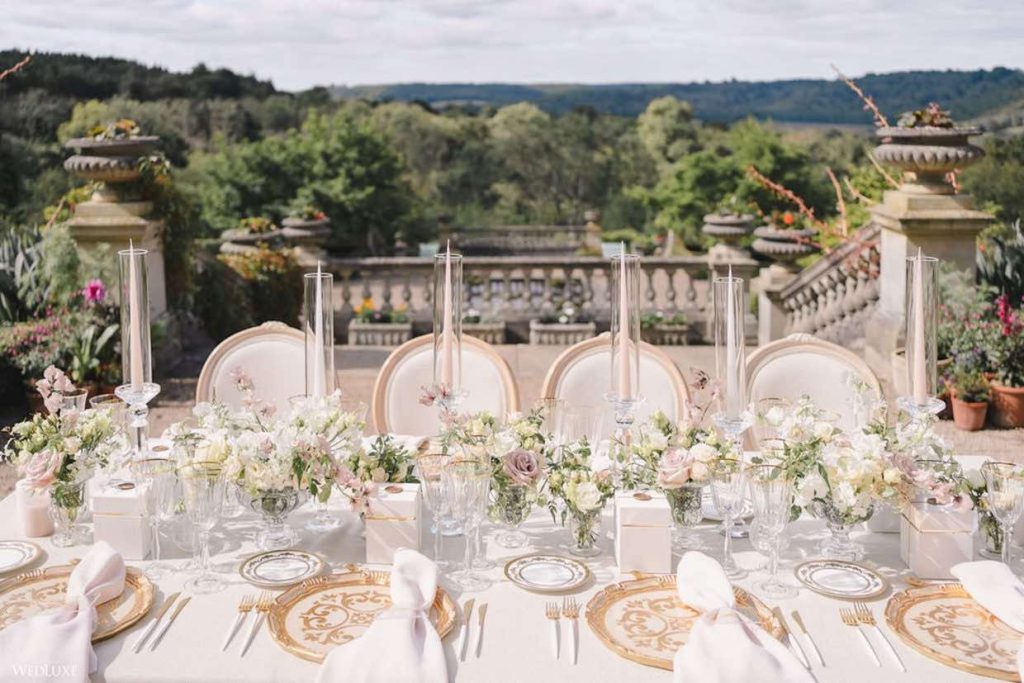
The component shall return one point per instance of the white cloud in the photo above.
(299, 43)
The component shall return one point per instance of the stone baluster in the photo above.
(407, 293)
(670, 292)
(346, 293)
(649, 291)
(386, 293)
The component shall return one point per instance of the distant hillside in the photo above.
(967, 94)
(83, 77)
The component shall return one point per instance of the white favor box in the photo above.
(934, 538)
(393, 522)
(119, 518)
(643, 533)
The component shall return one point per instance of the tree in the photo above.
(667, 129)
(997, 179)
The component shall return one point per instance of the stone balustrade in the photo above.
(834, 298)
(517, 289)
(520, 239)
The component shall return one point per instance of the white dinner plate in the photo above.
(17, 554)
(280, 568)
(542, 573)
(710, 512)
(842, 580)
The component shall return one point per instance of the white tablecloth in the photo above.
(516, 644)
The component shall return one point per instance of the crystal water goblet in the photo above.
(1005, 484)
(159, 478)
(203, 492)
(428, 468)
(467, 484)
(771, 495)
(728, 485)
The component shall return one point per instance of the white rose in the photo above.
(822, 430)
(975, 478)
(699, 471)
(892, 475)
(702, 452)
(588, 497)
(775, 416)
(659, 441)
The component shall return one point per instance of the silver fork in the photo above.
(850, 619)
(571, 611)
(866, 616)
(551, 612)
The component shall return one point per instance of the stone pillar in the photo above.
(592, 239)
(924, 213)
(772, 317)
(115, 215)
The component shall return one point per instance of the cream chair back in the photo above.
(272, 354)
(580, 376)
(801, 365)
(486, 379)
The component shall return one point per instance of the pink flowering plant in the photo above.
(60, 449)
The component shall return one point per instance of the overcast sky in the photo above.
(300, 43)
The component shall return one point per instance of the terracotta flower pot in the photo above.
(969, 417)
(1007, 406)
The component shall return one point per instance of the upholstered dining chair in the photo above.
(486, 378)
(272, 354)
(801, 364)
(580, 376)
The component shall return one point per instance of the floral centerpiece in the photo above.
(379, 326)
(578, 493)
(517, 465)
(365, 470)
(1007, 358)
(58, 452)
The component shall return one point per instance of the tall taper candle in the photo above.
(920, 368)
(318, 337)
(137, 377)
(625, 378)
(732, 407)
(447, 329)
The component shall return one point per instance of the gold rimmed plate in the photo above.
(15, 555)
(280, 568)
(42, 590)
(319, 614)
(644, 620)
(544, 573)
(943, 622)
(842, 580)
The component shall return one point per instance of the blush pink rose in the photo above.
(674, 468)
(41, 470)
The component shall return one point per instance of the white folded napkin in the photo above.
(995, 587)
(57, 645)
(410, 443)
(724, 646)
(401, 645)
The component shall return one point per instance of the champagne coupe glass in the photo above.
(73, 401)
(159, 477)
(584, 422)
(467, 485)
(1005, 484)
(552, 412)
(429, 467)
(203, 488)
(727, 490)
(770, 412)
(771, 495)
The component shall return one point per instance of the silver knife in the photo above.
(467, 612)
(167, 624)
(480, 629)
(794, 644)
(807, 634)
(152, 625)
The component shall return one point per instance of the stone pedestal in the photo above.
(941, 225)
(98, 223)
(771, 314)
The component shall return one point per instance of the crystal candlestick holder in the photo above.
(624, 413)
(138, 400)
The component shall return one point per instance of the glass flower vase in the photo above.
(67, 501)
(991, 534)
(511, 508)
(839, 545)
(274, 508)
(584, 530)
(687, 512)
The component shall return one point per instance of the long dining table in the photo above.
(516, 637)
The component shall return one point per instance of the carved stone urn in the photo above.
(926, 154)
(783, 247)
(109, 162)
(728, 229)
(308, 236)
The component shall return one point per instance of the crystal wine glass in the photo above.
(771, 495)
(727, 489)
(160, 478)
(429, 467)
(1005, 484)
(770, 412)
(203, 488)
(467, 485)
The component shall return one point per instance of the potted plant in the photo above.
(783, 240)
(1007, 359)
(728, 225)
(667, 329)
(250, 233)
(969, 393)
(476, 325)
(564, 327)
(372, 326)
(927, 145)
(110, 155)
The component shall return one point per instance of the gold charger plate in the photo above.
(645, 621)
(44, 589)
(943, 622)
(319, 614)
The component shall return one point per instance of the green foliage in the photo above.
(997, 179)
(1000, 261)
(970, 386)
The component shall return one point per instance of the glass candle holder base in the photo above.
(511, 538)
(776, 590)
(920, 411)
(204, 584)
